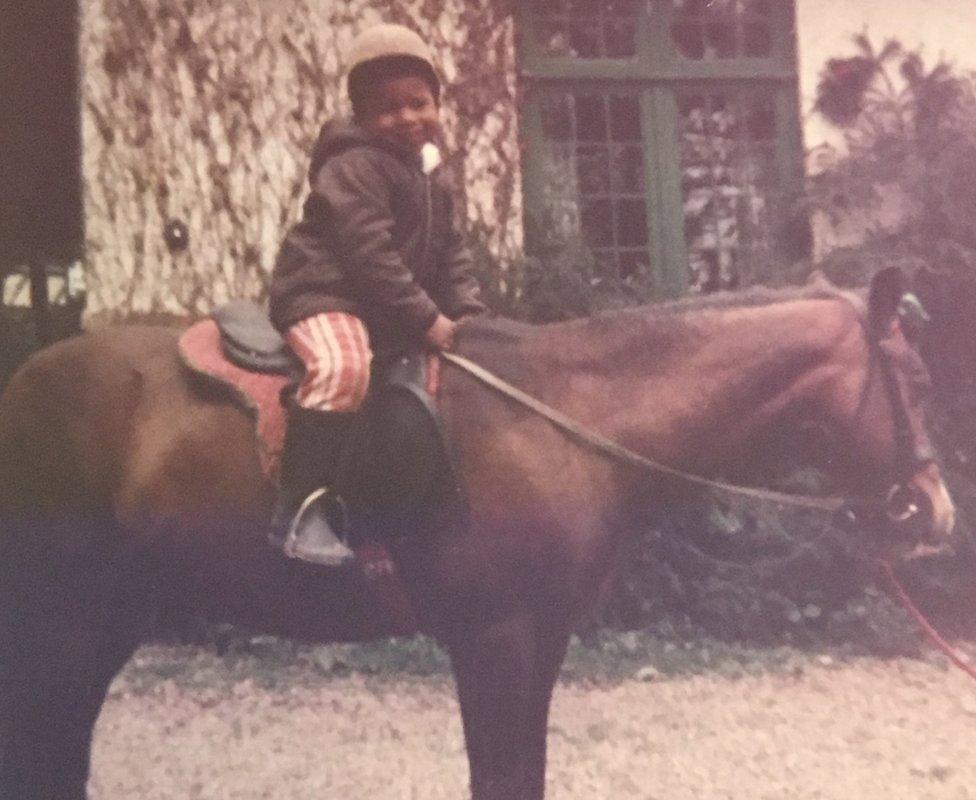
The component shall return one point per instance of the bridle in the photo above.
(899, 504)
(911, 453)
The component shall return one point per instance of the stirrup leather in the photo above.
(312, 535)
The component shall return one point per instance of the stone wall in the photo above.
(203, 112)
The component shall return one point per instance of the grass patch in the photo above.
(604, 657)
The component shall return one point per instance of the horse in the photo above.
(126, 488)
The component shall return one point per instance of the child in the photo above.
(375, 263)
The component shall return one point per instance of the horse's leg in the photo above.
(65, 632)
(47, 738)
(504, 702)
(551, 643)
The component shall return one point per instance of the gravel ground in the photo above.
(180, 725)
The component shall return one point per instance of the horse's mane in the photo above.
(751, 297)
(654, 318)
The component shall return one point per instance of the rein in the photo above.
(598, 442)
(897, 591)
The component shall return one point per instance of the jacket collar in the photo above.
(341, 134)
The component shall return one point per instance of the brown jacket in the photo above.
(377, 238)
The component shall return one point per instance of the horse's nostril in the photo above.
(902, 504)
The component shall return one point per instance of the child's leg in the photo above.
(335, 350)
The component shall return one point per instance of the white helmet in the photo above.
(382, 43)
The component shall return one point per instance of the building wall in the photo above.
(204, 112)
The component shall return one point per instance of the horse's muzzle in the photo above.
(920, 510)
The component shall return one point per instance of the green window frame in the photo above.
(714, 85)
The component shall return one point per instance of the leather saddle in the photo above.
(399, 475)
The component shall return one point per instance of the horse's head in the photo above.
(888, 451)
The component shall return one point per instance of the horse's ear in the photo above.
(887, 288)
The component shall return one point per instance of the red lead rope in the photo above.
(898, 592)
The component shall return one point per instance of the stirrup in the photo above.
(312, 536)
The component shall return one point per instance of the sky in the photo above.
(943, 28)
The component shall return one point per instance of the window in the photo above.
(728, 175)
(717, 29)
(586, 28)
(662, 135)
(595, 176)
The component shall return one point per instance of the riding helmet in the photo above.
(378, 50)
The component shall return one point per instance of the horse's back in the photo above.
(95, 420)
(71, 398)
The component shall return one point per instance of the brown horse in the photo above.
(124, 489)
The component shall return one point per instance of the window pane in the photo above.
(584, 8)
(689, 38)
(619, 38)
(690, 7)
(591, 118)
(625, 123)
(606, 262)
(587, 29)
(542, 8)
(762, 121)
(727, 182)
(594, 176)
(631, 222)
(722, 29)
(758, 40)
(633, 264)
(584, 40)
(554, 37)
(759, 8)
(627, 166)
(597, 222)
(720, 40)
(593, 169)
(557, 118)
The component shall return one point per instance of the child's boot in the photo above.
(310, 520)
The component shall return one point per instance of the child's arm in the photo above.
(440, 335)
(353, 196)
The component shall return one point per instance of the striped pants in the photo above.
(334, 347)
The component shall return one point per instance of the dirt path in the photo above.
(863, 728)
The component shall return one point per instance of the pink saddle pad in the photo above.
(259, 393)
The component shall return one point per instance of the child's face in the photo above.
(402, 111)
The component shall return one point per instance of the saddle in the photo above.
(400, 469)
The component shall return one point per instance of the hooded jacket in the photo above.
(377, 239)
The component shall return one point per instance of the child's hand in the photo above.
(441, 333)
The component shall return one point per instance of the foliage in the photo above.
(907, 129)
(561, 280)
(910, 133)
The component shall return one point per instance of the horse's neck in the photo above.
(691, 388)
(742, 372)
